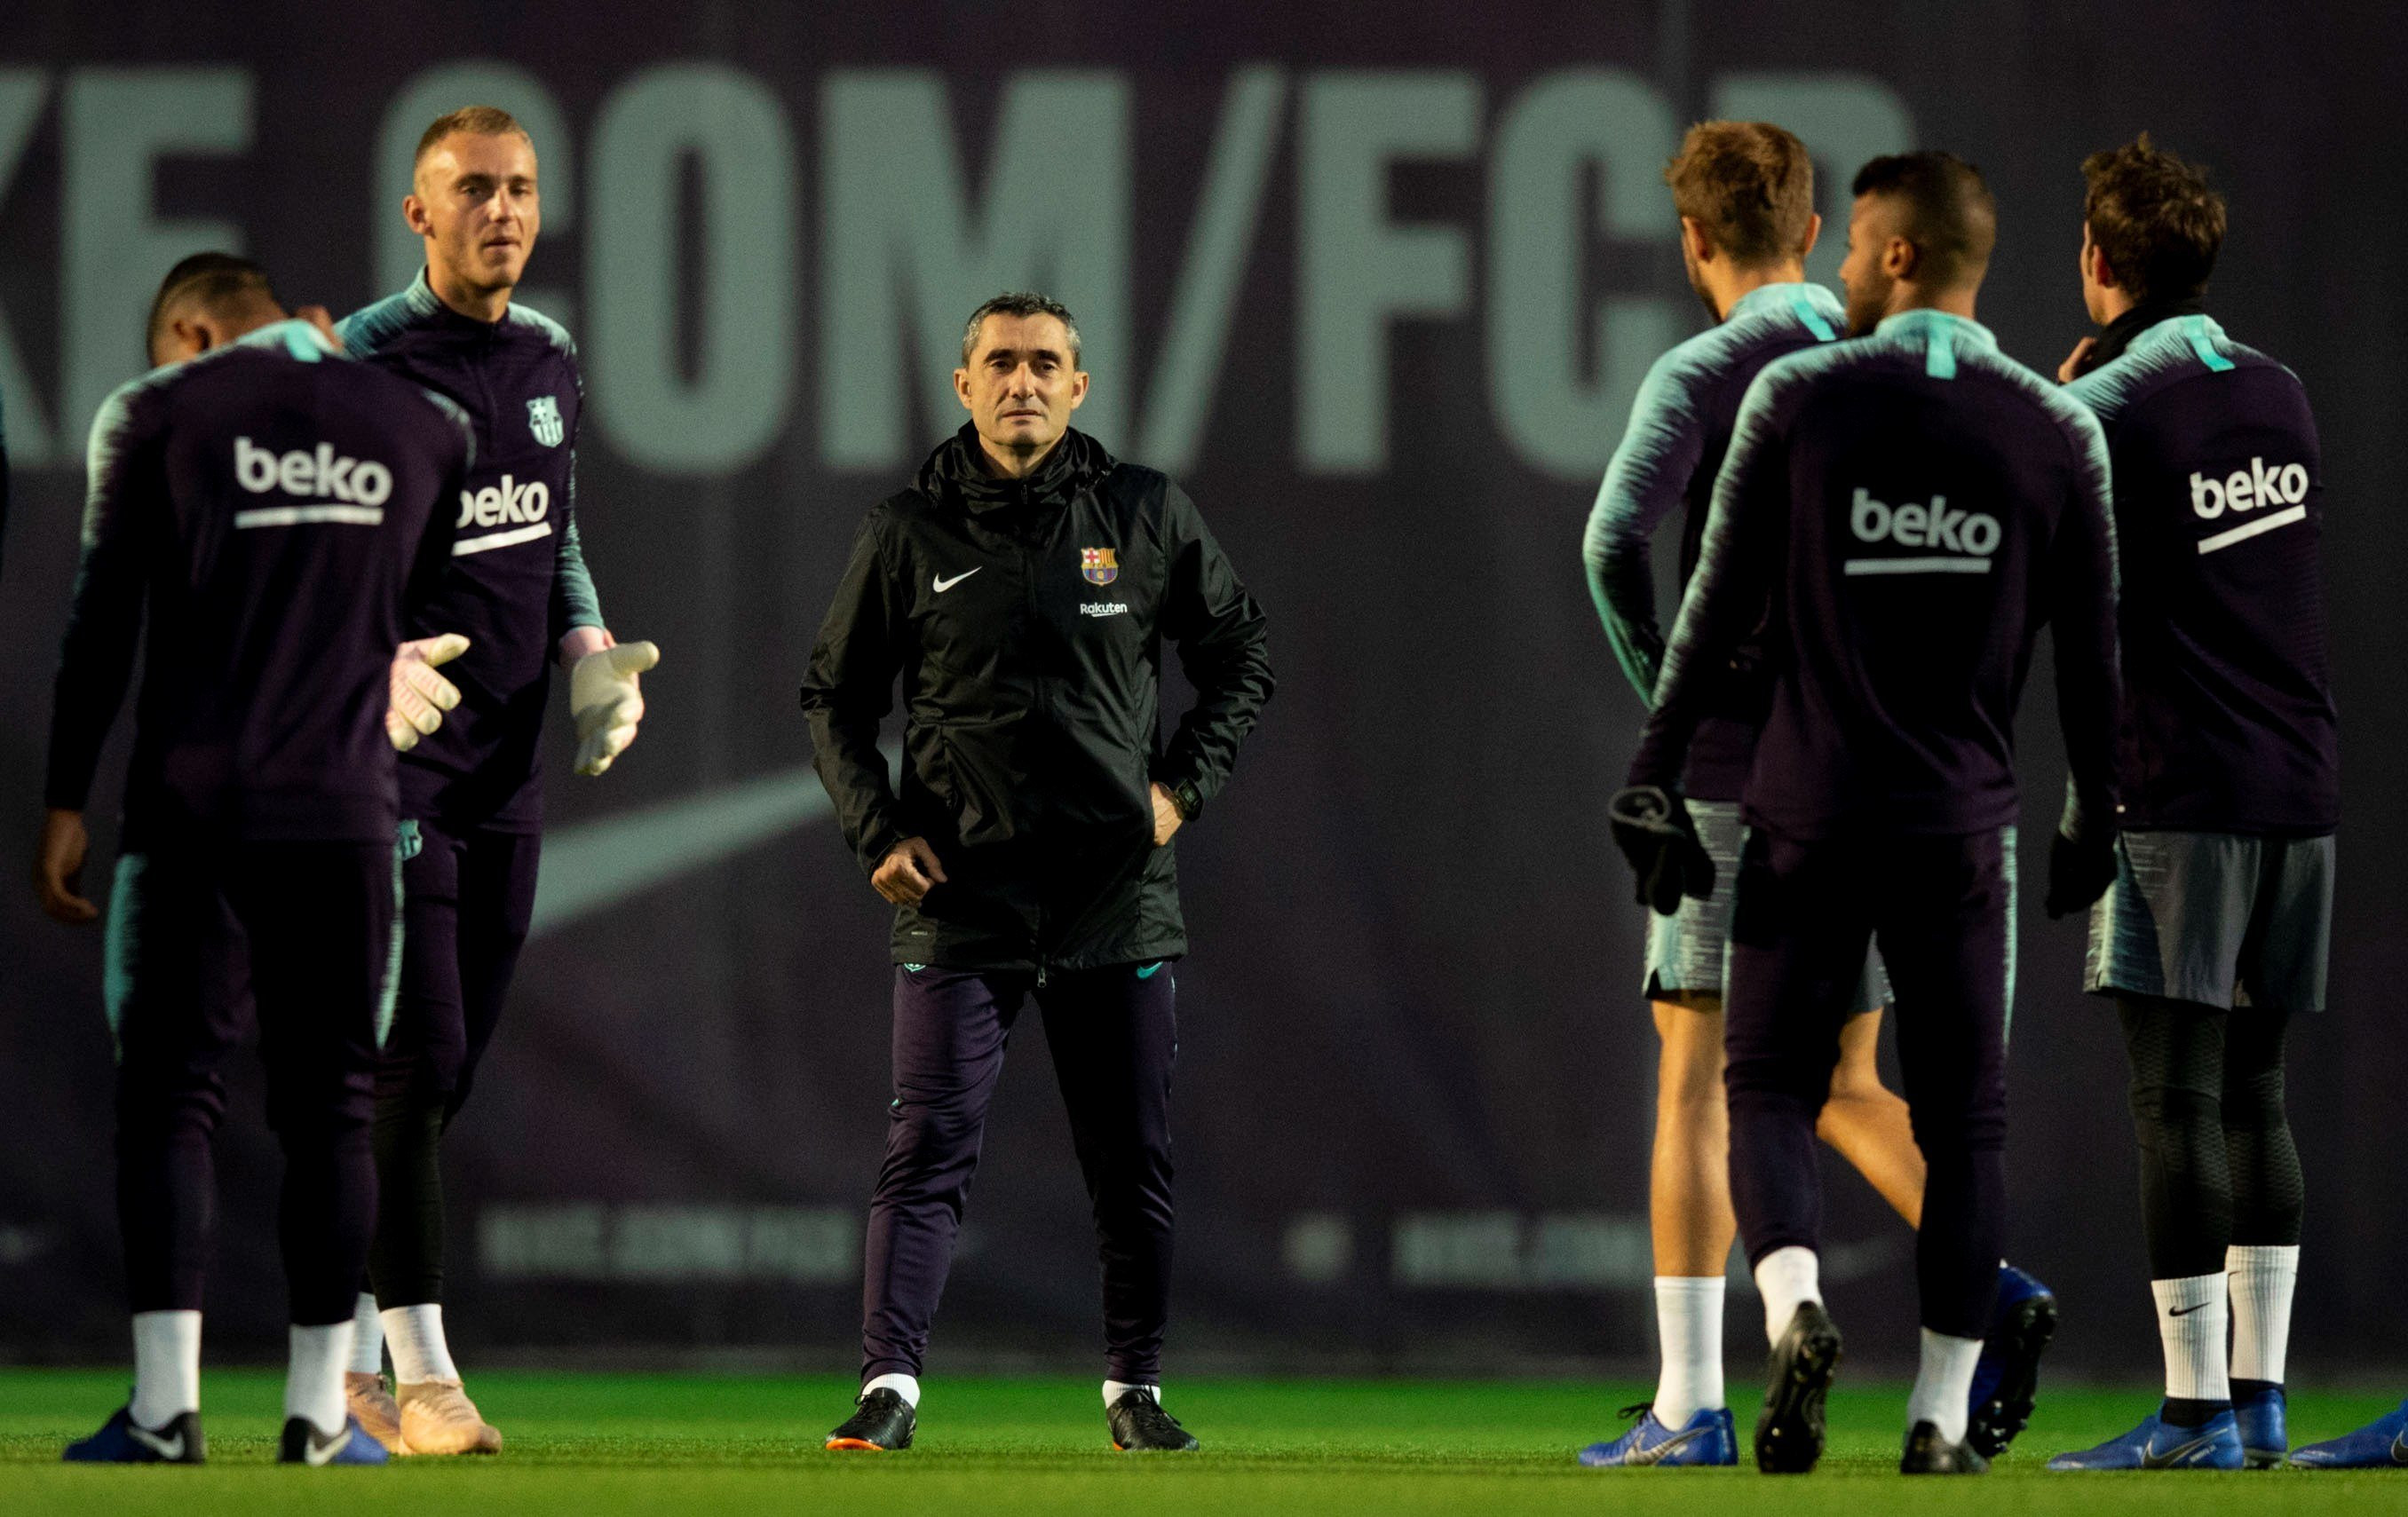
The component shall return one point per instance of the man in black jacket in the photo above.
(1022, 590)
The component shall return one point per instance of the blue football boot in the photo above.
(2379, 1445)
(2006, 1381)
(1708, 1438)
(2159, 1444)
(2265, 1436)
(302, 1444)
(121, 1441)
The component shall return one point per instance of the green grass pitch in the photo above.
(666, 1445)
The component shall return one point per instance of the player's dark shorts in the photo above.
(2217, 918)
(1688, 954)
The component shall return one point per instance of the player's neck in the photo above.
(475, 302)
(1739, 283)
(2114, 303)
(1955, 302)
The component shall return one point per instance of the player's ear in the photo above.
(962, 388)
(1814, 232)
(1078, 388)
(1693, 238)
(413, 210)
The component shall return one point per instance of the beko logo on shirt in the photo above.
(506, 501)
(2246, 489)
(323, 475)
(1972, 535)
(2252, 488)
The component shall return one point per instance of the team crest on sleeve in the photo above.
(1100, 566)
(544, 415)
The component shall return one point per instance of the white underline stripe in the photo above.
(2268, 524)
(1917, 565)
(500, 539)
(293, 516)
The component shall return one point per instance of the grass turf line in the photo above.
(603, 1445)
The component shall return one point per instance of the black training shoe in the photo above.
(1789, 1435)
(1140, 1425)
(1928, 1454)
(881, 1420)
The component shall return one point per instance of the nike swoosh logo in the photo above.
(170, 1449)
(2153, 1459)
(1669, 1446)
(2184, 1311)
(943, 585)
(2399, 1447)
(593, 866)
(315, 1454)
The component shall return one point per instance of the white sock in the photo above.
(2261, 1277)
(1115, 1389)
(1944, 1385)
(1689, 1328)
(1787, 1279)
(2191, 1315)
(367, 1337)
(313, 1386)
(415, 1336)
(906, 1386)
(167, 1367)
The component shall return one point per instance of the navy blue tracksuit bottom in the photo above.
(208, 943)
(1941, 909)
(1115, 1037)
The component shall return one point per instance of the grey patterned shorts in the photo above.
(2217, 918)
(1687, 953)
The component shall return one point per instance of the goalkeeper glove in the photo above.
(2078, 873)
(606, 701)
(1653, 829)
(417, 696)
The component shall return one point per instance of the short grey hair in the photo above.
(1019, 303)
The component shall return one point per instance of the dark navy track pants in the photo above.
(1941, 910)
(1113, 1037)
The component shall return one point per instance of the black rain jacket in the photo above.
(1026, 620)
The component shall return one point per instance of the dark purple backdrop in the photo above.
(1416, 1089)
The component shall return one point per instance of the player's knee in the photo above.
(2160, 1105)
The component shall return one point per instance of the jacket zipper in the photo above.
(1032, 564)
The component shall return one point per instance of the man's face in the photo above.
(1868, 272)
(475, 201)
(1020, 384)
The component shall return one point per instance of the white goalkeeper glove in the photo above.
(604, 698)
(418, 695)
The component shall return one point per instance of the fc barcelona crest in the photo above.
(544, 415)
(1101, 566)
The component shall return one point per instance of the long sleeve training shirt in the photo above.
(1916, 507)
(521, 582)
(2229, 723)
(1680, 428)
(272, 508)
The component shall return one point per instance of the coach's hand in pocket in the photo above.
(910, 872)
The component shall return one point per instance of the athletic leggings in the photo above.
(468, 897)
(2217, 1163)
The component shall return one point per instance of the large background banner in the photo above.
(1377, 283)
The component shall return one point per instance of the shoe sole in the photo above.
(1789, 1437)
(854, 1445)
(2263, 1459)
(1997, 1422)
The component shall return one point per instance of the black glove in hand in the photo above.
(2078, 873)
(1653, 829)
